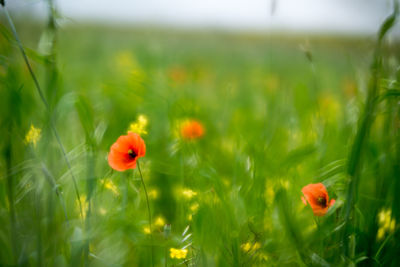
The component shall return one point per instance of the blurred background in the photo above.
(280, 89)
(347, 17)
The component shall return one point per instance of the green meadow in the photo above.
(279, 112)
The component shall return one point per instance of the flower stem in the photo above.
(355, 161)
(46, 104)
(148, 211)
(316, 222)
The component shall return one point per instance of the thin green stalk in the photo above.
(165, 255)
(39, 241)
(90, 188)
(149, 212)
(316, 222)
(181, 209)
(10, 195)
(14, 32)
(51, 86)
(383, 245)
(43, 98)
(181, 169)
(50, 178)
(355, 162)
(355, 156)
(68, 165)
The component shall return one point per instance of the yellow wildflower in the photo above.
(84, 203)
(176, 128)
(33, 135)
(329, 107)
(285, 184)
(146, 230)
(178, 253)
(102, 211)
(160, 222)
(226, 182)
(153, 194)
(392, 225)
(270, 192)
(262, 256)
(111, 186)
(139, 126)
(383, 216)
(188, 193)
(127, 64)
(125, 60)
(256, 245)
(386, 223)
(194, 207)
(380, 234)
(246, 247)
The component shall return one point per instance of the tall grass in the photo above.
(229, 198)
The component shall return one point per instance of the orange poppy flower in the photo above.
(177, 74)
(317, 196)
(192, 130)
(125, 152)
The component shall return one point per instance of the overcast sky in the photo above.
(326, 16)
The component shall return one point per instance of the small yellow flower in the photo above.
(392, 225)
(386, 223)
(178, 253)
(329, 107)
(381, 234)
(270, 192)
(382, 216)
(102, 211)
(226, 182)
(153, 193)
(262, 256)
(139, 126)
(125, 60)
(188, 193)
(127, 64)
(110, 186)
(256, 245)
(246, 247)
(33, 135)
(194, 207)
(84, 203)
(146, 230)
(285, 184)
(159, 222)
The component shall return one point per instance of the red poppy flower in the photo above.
(125, 152)
(317, 196)
(177, 74)
(192, 130)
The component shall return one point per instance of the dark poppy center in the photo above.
(321, 201)
(132, 154)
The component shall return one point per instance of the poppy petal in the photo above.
(120, 157)
(317, 196)
(304, 200)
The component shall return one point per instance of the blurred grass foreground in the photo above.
(148, 147)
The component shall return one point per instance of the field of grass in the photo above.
(278, 113)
